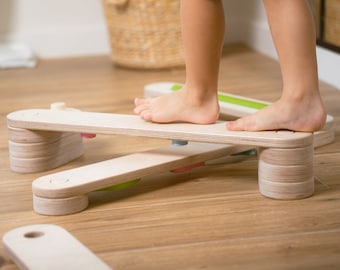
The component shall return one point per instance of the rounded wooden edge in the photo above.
(324, 137)
(33, 165)
(44, 149)
(22, 135)
(285, 174)
(59, 207)
(286, 191)
(293, 156)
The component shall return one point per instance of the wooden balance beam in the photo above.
(285, 158)
(239, 106)
(36, 151)
(66, 192)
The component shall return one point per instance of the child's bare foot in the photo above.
(179, 106)
(299, 115)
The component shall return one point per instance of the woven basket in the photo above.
(144, 33)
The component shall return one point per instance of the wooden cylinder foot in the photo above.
(35, 151)
(59, 207)
(286, 174)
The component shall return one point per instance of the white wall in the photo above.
(62, 28)
(55, 28)
(246, 22)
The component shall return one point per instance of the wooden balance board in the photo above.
(38, 143)
(239, 106)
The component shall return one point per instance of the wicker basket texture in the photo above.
(144, 33)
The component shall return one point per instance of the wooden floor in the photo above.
(212, 217)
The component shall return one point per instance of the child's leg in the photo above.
(203, 32)
(300, 107)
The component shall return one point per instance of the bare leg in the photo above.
(203, 32)
(300, 107)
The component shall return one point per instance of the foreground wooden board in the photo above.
(106, 123)
(46, 246)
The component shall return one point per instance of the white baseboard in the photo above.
(255, 35)
(329, 66)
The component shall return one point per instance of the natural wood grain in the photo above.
(275, 252)
(211, 217)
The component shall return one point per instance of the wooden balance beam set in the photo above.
(41, 139)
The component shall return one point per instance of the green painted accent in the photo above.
(176, 87)
(241, 102)
(231, 99)
(122, 185)
(251, 152)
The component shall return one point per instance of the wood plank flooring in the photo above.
(212, 217)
